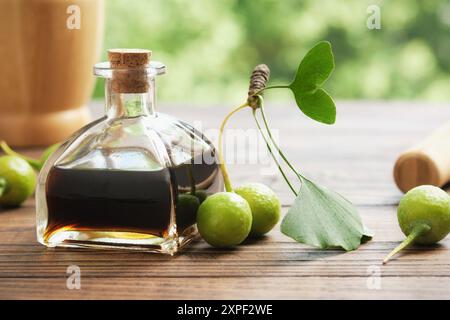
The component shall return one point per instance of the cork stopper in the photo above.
(129, 58)
(131, 65)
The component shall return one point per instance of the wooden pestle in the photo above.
(428, 162)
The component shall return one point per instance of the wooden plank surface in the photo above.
(355, 157)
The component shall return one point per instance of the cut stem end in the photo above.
(416, 232)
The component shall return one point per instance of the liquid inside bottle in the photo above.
(128, 203)
(132, 179)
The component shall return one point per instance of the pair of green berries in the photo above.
(226, 219)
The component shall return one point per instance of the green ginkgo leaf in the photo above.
(323, 218)
(313, 71)
(317, 105)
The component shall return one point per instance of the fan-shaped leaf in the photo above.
(317, 105)
(313, 71)
(323, 218)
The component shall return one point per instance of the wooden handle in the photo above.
(425, 163)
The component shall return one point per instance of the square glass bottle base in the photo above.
(72, 238)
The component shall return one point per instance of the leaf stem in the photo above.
(271, 87)
(417, 231)
(36, 164)
(276, 87)
(280, 152)
(271, 153)
(3, 185)
(223, 168)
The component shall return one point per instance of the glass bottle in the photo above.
(132, 179)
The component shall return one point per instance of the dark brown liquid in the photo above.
(127, 201)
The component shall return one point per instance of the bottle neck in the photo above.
(125, 105)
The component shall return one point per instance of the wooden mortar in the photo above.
(46, 79)
(428, 162)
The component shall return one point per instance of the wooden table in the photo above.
(355, 157)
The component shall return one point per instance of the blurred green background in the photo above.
(211, 46)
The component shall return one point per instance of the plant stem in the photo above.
(275, 87)
(271, 153)
(418, 230)
(223, 168)
(3, 185)
(191, 179)
(280, 152)
(36, 164)
(257, 93)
